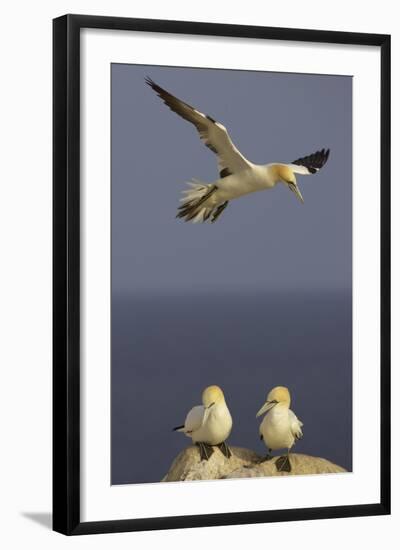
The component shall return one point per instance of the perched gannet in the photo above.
(209, 424)
(237, 175)
(280, 428)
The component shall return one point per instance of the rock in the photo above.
(301, 465)
(187, 466)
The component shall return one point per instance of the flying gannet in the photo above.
(280, 428)
(209, 424)
(237, 175)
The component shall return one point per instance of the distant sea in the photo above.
(167, 348)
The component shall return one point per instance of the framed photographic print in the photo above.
(221, 274)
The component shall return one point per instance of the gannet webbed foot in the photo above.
(205, 450)
(225, 450)
(283, 464)
(218, 211)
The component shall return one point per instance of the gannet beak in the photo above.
(266, 407)
(294, 188)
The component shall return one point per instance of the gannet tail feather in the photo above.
(194, 205)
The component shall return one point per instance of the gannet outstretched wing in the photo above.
(212, 133)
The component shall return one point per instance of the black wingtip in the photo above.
(315, 161)
(177, 428)
(154, 86)
(150, 82)
(325, 154)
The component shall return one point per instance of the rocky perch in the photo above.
(187, 466)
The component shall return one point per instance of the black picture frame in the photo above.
(66, 273)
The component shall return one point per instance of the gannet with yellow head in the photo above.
(285, 174)
(209, 424)
(280, 428)
(237, 175)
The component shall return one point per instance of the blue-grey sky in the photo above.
(267, 239)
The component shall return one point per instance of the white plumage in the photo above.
(280, 428)
(212, 427)
(237, 175)
(210, 423)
